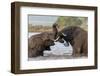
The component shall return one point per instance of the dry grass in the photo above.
(42, 28)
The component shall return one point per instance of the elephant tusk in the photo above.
(57, 39)
(64, 34)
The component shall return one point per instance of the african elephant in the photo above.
(76, 36)
(38, 43)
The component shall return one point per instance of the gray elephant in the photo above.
(76, 36)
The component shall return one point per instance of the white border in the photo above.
(25, 64)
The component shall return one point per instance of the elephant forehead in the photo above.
(51, 36)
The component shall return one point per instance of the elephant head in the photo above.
(59, 35)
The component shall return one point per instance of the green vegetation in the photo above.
(72, 21)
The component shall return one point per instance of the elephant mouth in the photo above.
(53, 44)
(48, 48)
